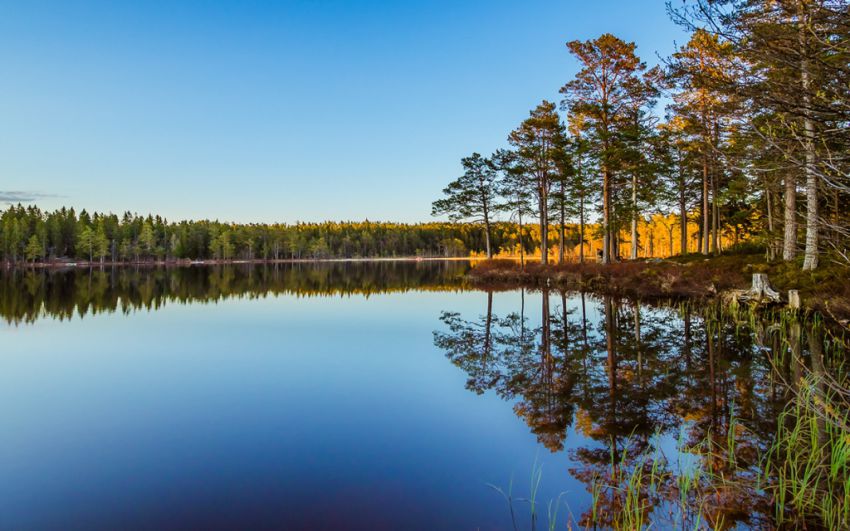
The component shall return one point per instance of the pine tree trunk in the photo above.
(715, 217)
(606, 217)
(581, 230)
(715, 189)
(487, 234)
(699, 233)
(768, 206)
(789, 244)
(544, 234)
(705, 218)
(810, 261)
(683, 210)
(683, 222)
(634, 250)
(521, 248)
(561, 235)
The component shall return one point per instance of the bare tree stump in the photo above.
(761, 289)
(794, 299)
(760, 292)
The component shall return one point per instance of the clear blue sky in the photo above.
(279, 111)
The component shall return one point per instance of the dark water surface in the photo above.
(342, 396)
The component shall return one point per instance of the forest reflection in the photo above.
(626, 376)
(27, 295)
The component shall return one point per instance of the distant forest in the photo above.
(27, 234)
(30, 235)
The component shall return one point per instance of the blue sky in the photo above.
(279, 111)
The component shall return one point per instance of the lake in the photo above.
(387, 395)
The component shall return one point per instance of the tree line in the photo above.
(753, 141)
(28, 234)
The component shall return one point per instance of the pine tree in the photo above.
(147, 239)
(583, 187)
(603, 92)
(540, 144)
(517, 191)
(86, 242)
(34, 249)
(472, 196)
(100, 243)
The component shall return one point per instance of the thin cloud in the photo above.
(17, 196)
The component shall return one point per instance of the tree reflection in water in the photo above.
(628, 378)
(27, 295)
(619, 375)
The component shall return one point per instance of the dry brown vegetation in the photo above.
(642, 279)
(826, 290)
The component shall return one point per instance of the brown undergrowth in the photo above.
(826, 290)
(642, 279)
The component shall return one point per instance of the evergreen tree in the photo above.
(472, 197)
(100, 243)
(34, 249)
(86, 242)
(517, 192)
(582, 186)
(604, 92)
(540, 144)
(147, 240)
(791, 66)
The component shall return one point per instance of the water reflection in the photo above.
(335, 392)
(632, 379)
(27, 295)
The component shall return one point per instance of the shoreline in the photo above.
(85, 264)
(695, 277)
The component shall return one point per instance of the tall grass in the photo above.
(552, 507)
(806, 469)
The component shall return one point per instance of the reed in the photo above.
(806, 469)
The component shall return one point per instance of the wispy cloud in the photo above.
(18, 196)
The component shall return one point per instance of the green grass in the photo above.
(806, 470)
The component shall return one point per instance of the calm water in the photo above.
(342, 396)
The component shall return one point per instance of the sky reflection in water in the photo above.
(333, 396)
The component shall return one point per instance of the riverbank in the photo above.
(825, 290)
